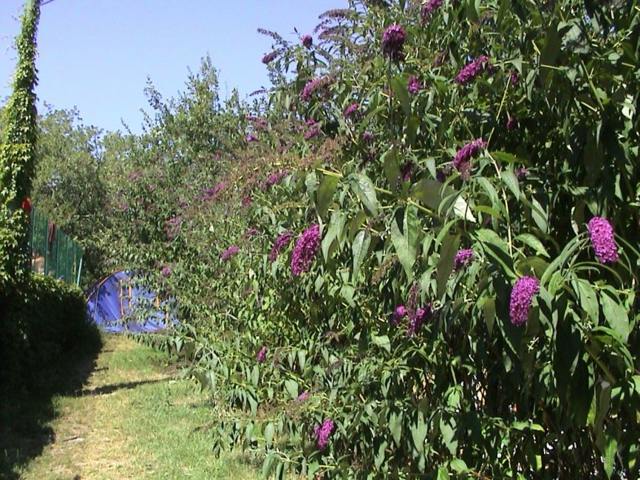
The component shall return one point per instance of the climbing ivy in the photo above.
(17, 152)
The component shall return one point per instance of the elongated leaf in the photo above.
(325, 194)
(292, 388)
(359, 248)
(399, 86)
(366, 192)
(334, 231)
(616, 316)
(395, 427)
(510, 180)
(382, 342)
(391, 167)
(497, 249)
(533, 242)
(448, 252)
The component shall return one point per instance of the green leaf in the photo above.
(533, 242)
(395, 427)
(448, 251)
(391, 167)
(588, 299)
(443, 473)
(399, 86)
(382, 342)
(489, 312)
(419, 433)
(359, 248)
(292, 388)
(269, 430)
(325, 194)
(610, 456)
(311, 182)
(268, 464)
(430, 192)
(366, 192)
(458, 465)
(334, 231)
(496, 248)
(406, 243)
(616, 316)
(510, 180)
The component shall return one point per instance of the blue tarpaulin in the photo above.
(119, 304)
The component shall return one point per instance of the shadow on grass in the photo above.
(106, 389)
(25, 414)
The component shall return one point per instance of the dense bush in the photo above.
(43, 321)
(417, 256)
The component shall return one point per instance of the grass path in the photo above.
(134, 418)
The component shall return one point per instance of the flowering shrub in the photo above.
(514, 357)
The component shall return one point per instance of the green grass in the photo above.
(135, 418)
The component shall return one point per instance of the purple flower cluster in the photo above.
(512, 123)
(246, 201)
(251, 138)
(166, 271)
(209, 194)
(303, 397)
(229, 252)
(281, 242)
(305, 250)
(269, 57)
(521, 173)
(251, 232)
(274, 178)
(428, 9)
(472, 69)
(602, 240)
(261, 356)
(398, 314)
(522, 295)
(313, 129)
(368, 137)
(351, 110)
(462, 160)
(314, 85)
(172, 227)
(407, 170)
(393, 40)
(514, 78)
(307, 41)
(417, 317)
(323, 432)
(414, 85)
(463, 258)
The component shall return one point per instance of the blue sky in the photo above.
(97, 54)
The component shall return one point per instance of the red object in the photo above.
(26, 205)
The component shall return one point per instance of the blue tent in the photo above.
(119, 304)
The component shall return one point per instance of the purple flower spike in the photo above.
(304, 396)
(269, 57)
(280, 244)
(417, 318)
(166, 271)
(307, 41)
(428, 9)
(398, 314)
(229, 252)
(462, 160)
(471, 70)
(351, 110)
(305, 250)
(261, 356)
(413, 85)
(323, 432)
(393, 42)
(521, 297)
(463, 258)
(602, 240)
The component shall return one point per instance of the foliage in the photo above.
(17, 152)
(43, 319)
(502, 127)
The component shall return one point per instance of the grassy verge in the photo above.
(134, 418)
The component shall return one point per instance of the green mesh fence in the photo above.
(52, 252)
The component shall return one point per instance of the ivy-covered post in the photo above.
(17, 154)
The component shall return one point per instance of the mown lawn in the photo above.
(133, 418)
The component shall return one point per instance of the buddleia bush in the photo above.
(422, 262)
